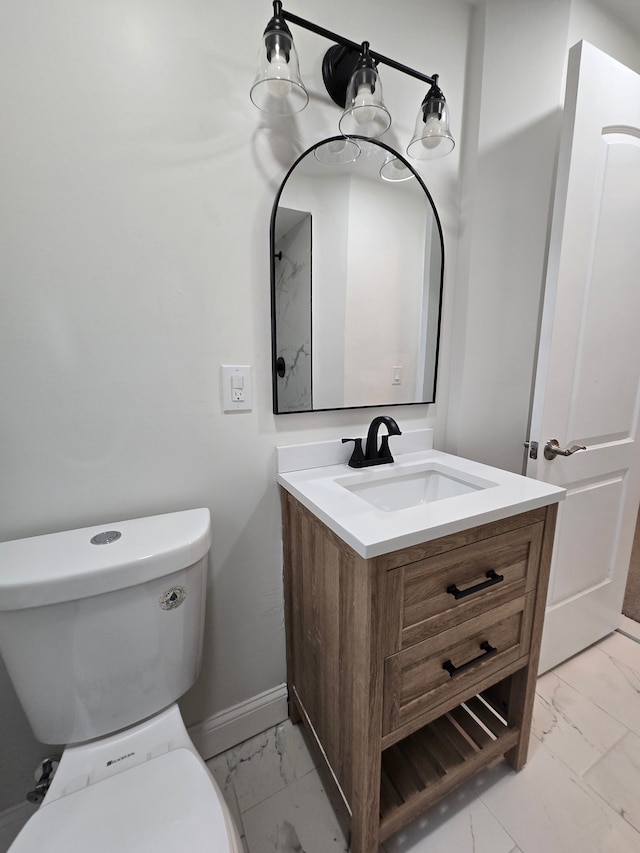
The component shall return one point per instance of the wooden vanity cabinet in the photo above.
(415, 669)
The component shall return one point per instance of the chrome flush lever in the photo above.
(552, 449)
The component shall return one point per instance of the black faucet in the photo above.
(372, 454)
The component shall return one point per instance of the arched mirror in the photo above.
(357, 263)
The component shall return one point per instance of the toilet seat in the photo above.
(165, 805)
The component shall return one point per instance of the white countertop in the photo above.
(372, 531)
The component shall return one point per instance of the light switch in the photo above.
(396, 374)
(236, 387)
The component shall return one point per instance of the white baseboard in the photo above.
(229, 728)
(629, 628)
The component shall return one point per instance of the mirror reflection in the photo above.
(356, 281)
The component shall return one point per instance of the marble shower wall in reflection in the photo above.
(293, 314)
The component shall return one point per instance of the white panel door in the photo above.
(587, 389)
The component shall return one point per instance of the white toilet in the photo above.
(101, 632)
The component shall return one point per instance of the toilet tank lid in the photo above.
(68, 565)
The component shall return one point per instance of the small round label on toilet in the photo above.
(173, 597)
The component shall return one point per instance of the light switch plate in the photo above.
(236, 388)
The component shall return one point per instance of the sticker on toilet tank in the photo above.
(173, 597)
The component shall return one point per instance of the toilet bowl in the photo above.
(101, 631)
(145, 789)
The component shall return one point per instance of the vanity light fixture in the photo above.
(432, 137)
(395, 169)
(337, 151)
(278, 87)
(364, 109)
(350, 74)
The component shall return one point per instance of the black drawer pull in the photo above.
(494, 578)
(488, 652)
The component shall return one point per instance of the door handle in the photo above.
(552, 449)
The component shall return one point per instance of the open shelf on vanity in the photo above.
(425, 766)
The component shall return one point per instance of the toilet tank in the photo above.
(102, 627)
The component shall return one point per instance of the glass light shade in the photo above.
(338, 151)
(364, 113)
(432, 137)
(395, 170)
(278, 88)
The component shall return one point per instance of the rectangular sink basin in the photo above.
(392, 492)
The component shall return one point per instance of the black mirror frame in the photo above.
(272, 248)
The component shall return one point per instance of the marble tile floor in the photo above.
(579, 792)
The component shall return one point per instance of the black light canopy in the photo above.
(351, 77)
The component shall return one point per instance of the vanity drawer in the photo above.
(438, 669)
(442, 591)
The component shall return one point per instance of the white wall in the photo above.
(511, 146)
(137, 184)
(517, 64)
(330, 241)
(382, 328)
(613, 26)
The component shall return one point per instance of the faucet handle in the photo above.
(385, 452)
(357, 457)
